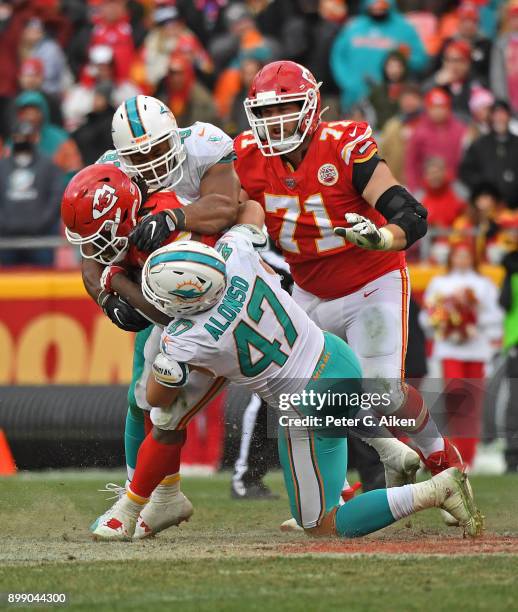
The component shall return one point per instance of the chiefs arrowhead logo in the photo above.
(104, 200)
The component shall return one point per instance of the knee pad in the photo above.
(326, 526)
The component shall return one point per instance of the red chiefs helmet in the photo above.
(283, 83)
(99, 209)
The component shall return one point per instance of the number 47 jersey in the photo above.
(256, 335)
(303, 206)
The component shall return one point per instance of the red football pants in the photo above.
(463, 401)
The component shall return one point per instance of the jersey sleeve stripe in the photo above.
(227, 159)
(360, 160)
(349, 147)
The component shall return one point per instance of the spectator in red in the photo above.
(444, 206)
(112, 28)
(12, 21)
(454, 76)
(504, 61)
(31, 79)
(463, 312)
(189, 100)
(438, 133)
(468, 30)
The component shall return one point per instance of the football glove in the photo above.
(122, 314)
(365, 234)
(169, 372)
(151, 232)
(107, 276)
(256, 235)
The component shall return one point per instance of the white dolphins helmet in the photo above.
(184, 277)
(148, 143)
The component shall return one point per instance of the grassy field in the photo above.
(232, 556)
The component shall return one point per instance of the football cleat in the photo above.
(119, 524)
(450, 490)
(117, 492)
(290, 525)
(442, 460)
(349, 492)
(255, 490)
(399, 460)
(165, 509)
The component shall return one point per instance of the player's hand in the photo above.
(151, 232)
(365, 234)
(255, 234)
(122, 314)
(169, 372)
(107, 276)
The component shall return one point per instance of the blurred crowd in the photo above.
(437, 80)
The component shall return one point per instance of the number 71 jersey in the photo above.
(303, 206)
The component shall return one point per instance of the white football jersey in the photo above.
(206, 145)
(255, 336)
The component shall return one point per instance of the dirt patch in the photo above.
(427, 545)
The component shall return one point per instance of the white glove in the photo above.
(365, 234)
(169, 372)
(253, 233)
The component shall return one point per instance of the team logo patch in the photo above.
(104, 200)
(290, 182)
(190, 290)
(327, 174)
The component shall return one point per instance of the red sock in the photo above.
(148, 425)
(155, 461)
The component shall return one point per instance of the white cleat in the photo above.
(399, 460)
(119, 523)
(450, 490)
(165, 509)
(117, 492)
(290, 526)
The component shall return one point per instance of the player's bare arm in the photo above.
(405, 215)
(215, 210)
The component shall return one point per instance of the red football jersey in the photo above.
(157, 203)
(303, 206)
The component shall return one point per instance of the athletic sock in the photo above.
(364, 514)
(401, 501)
(134, 434)
(155, 461)
(429, 440)
(424, 433)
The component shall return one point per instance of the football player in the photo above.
(310, 176)
(101, 207)
(197, 163)
(240, 325)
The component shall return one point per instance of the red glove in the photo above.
(107, 276)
